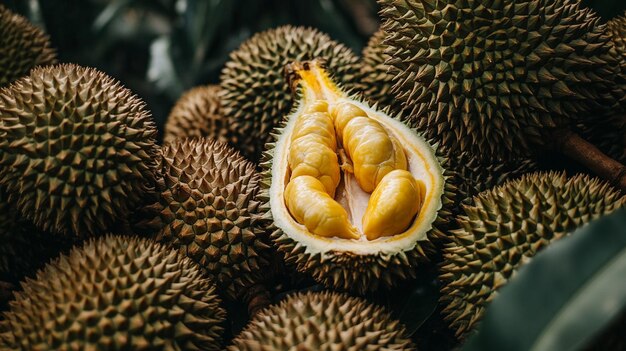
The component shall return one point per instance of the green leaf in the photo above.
(566, 295)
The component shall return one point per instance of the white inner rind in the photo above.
(422, 163)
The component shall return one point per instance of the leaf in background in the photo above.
(161, 69)
(564, 296)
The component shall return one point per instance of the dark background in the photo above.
(159, 48)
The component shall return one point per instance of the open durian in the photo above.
(356, 195)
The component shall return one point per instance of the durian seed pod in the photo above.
(505, 227)
(208, 209)
(255, 95)
(22, 47)
(375, 82)
(351, 260)
(197, 114)
(509, 85)
(323, 321)
(77, 150)
(115, 293)
(23, 248)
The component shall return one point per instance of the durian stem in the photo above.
(257, 298)
(577, 148)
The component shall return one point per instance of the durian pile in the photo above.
(307, 183)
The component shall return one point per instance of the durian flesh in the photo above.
(418, 165)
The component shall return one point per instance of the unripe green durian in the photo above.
(505, 227)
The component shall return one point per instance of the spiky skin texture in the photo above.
(375, 82)
(359, 273)
(325, 321)
(115, 293)
(208, 209)
(617, 30)
(77, 150)
(493, 78)
(505, 227)
(255, 94)
(473, 176)
(23, 248)
(196, 114)
(22, 47)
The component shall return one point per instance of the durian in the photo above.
(197, 113)
(23, 248)
(375, 82)
(323, 321)
(498, 79)
(77, 150)
(208, 208)
(324, 234)
(115, 293)
(255, 96)
(505, 227)
(617, 30)
(22, 47)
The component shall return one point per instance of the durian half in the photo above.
(351, 259)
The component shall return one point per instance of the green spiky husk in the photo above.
(494, 78)
(505, 227)
(196, 114)
(375, 82)
(77, 150)
(323, 321)
(351, 272)
(617, 30)
(22, 47)
(256, 96)
(208, 209)
(115, 294)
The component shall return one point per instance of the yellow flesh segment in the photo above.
(310, 205)
(313, 148)
(393, 205)
(373, 151)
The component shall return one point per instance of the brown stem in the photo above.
(577, 148)
(257, 298)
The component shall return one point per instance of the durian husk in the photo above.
(77, 150)
(496, 78)
(323, 321)
(352, 272)
(197, 114)
(505, 227)
(115, 293)
(617, 29)
(375, 82)
(208, 209)
(22, 47)
(256, 96)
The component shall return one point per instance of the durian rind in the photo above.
(196, 114)
(505, 227)
(351, 265)
(115, 293)
(256, 96)
(22, 47)
(208, 209)
(492, 78)
(374, 81)
(77, 150)
(325, 321)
